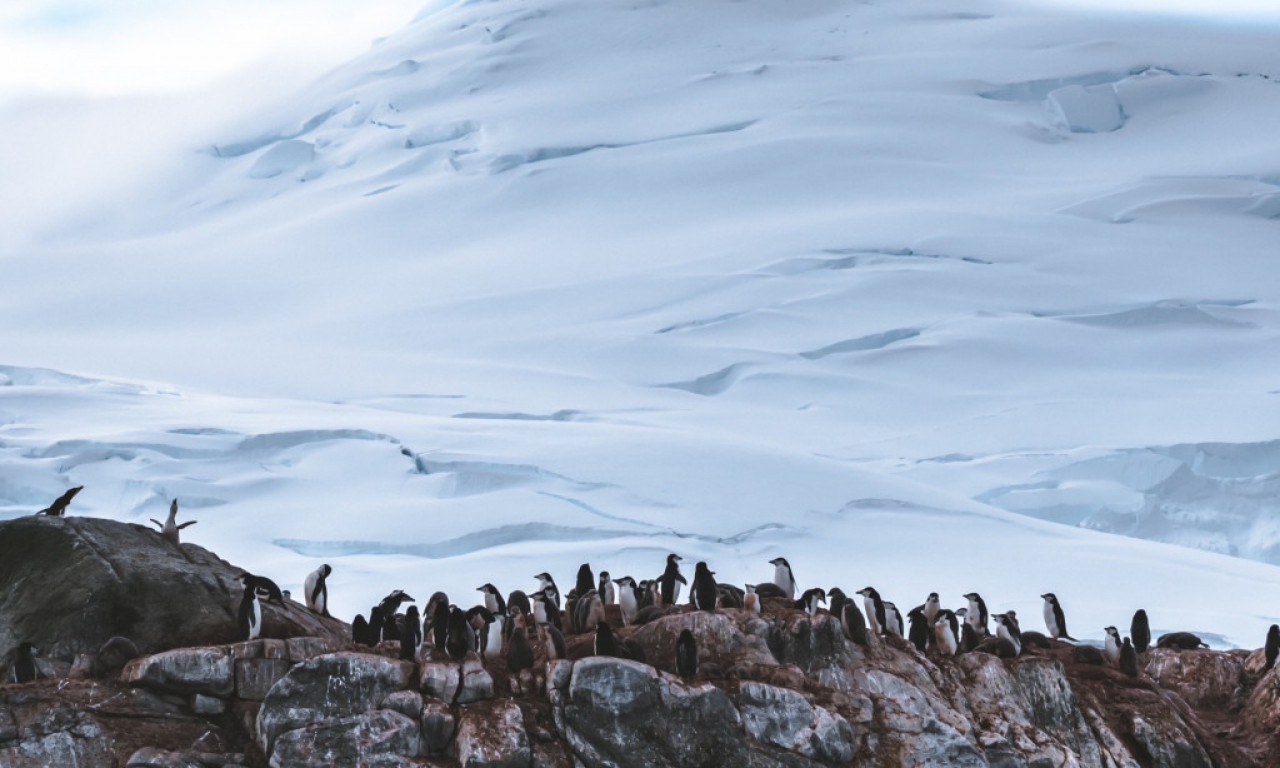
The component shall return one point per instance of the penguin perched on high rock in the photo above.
(410, 634)
(670, 581)
(1140, 631)
(783, 577)
(1181, 641)
(317, 592)
(1128, 659)
(360, 630)
(1272, 647)
(390, 604)
(1111, 647)
(586, 580)
(919, 629)
(874, 607)
(435, 617)
(932, 607)
(545, 610)
(751, 599)
(377, 623)
(588, 611)
(169, 528)
(250, 615)
(836, 598)
(852, 623)
(606, 589)
(493, 601)
(808, 602)
(729, 595)
(1007, 630)
(261, 584)
(945, 628)
(686, 655)
(627, 603)
(1054, 618)
(976, 615)
(969, 639)
(519, 652)
(59, 507)
(24, 663)
(547, 585)
(893, 620)
(459, 638)
(703, 595)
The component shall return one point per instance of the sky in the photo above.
(124, 47)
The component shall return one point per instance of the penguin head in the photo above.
(29, 647)
(835, 593)
(869, 592)
(933, 597)
(780, 561)
(604, 577)
(973, 596)
(1113, 633)
(701, 568)
(327, 570)
(961, 612)
(1050, 598)
(487, 589)
(673, 558)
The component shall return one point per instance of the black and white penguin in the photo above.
(555, 647)
(945, 628)
(783, 578)
(605, 644)
(750, 599)
(491, 648)
(836, 599)
(808, 602)
(852, 623)
(410, 634)
(1140, 631)
(493, 601)
(1111, 648)
(459, 638)
(919, 629)
(893, 620)
(520, 601)
(391, 603)
(1272, 648)
(391, 626)
(931, 608)
(627, 603)
(976, 616)
(703, 594)
(264, 586)
(360, 630)
(169, 528)
(670, 581)
(436, 628)
(1128, 659)
(250, 614)
(24, 663)
(607, 592)
(1007, 630)
(586, 580)
(729, 596)
(377, 622)
(686, 655)
(317, 592)
(1181, 641)
(547, 585)
(1054, 619)
(59, 505)
(874, 607)
(545, 610)
(1032, 639)
(969, 639)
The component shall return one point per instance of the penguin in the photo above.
(169, 528)
(1112, 646)
(459, 638)
(703, 594)
(491, 648)
(250, 614)
(317, 592)
(519, 652)
(493, 601)
(391, 625)
(586, 580)
(920, 628)
(548, 586)
(588, 612)
(808, 602)
(1007, 630)
(976, 616)
(1128, 659)
(729, 596)
(1035, 640)
(391, 603)
(410, 634)
(263, 585)
(360, 630)
(671, 580)
(968, 635)
(1272, 646)
(1054, 619)
(944, 633)
(520, 601)
(874, 608)
(751, 600)
(783, 577)
(769, 589)
(24, 663)
(852, 623)
(377, 623)
(59, 507)
(931, 608)
(893, 620)
(607, 593)
(627, 599)
(545, 610)
(1181, 641)
(837, 597)
(686, 655)
(555, 646)
(1140, 631)
(605, 645)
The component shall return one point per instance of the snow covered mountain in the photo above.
(869, 284)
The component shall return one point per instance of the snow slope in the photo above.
(872, 285)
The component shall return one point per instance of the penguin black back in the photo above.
(853, 623)
(1273, 646)
(1181, 641)
(250, 614)
(1128, 659)
(686, 655)
(1140, 631)
(410, 634)
(360, 630)
(669, 592)
(519, 652)
(59, 506)
(704, 593)
(263, 584)
(376, 625)
(460, 638)
(24, 663)
(605, 644)
(586, 580)
(921, 630)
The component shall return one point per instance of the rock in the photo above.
(438, 726)
(82, 667)
(150, 757)
(185, 671)
(326, 687)
(477, 684)
(1168, 746)
(254, 677)
(103, 579)
(492, 735)
(720, 637)
(207, 705)
(439, 680)
(785, 719)
(1204, 679)
(299, 649)
(407, 703)
(349, 740)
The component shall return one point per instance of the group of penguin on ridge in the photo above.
(490, 629)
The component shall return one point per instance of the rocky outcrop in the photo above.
(70, 584)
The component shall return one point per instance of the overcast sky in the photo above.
(113, 47)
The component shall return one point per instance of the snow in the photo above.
(928, 296)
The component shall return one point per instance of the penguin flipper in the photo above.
(184, 525)
(159, 524)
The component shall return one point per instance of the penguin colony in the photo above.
(525, 627)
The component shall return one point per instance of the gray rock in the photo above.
(347, 740)
(207, 706)
(407, 703)
(439, 680)
(184, 671)
(151, 757)
(331, 686)
(438, 726)
(299, 649)
(492, 735)
(254, 677)
(775, 715)
(477, 684)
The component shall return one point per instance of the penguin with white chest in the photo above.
(317, 591)
(606, 590)
(946, 628)
(874, 608)
(670, 581)
(976, 616)
(808, 602)
(1112, 645)
(703, 594)
(24, 663)
(783, 577)
(627, 602)
(1055, 620)
(169, 528)
(250, 614)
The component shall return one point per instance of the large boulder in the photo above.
(350, 740)
(209, 671)
(69, 584)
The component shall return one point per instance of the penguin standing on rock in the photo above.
(548, 586)
(750, 600)
(1128, 659)
(1140, 631)
(606, 590)
(808, 602)
(360, 630)
(391, 603)
(169, 528)
(945, 629)
(892, 620)
(410, 634)
(250, 614)
(459, 638)
(874, 607)
(852, 622)
(976, 616)
(1007, 630)
(24, 663)
(1272, 646)
(1112, 645)
(703, 594)
(686, 655)
(783, 577)
(59, 507)
(263, 585)
(519, 653)
(670, 581)
(605, 644)
(1054, 618)
(919, 630)
(627, 602)
(317, 593)
(586, 581)
(493, 601)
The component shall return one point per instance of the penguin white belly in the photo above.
(1050, 621)
(255, 625)
(493, 647)
(782, 578)
(627, 602)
